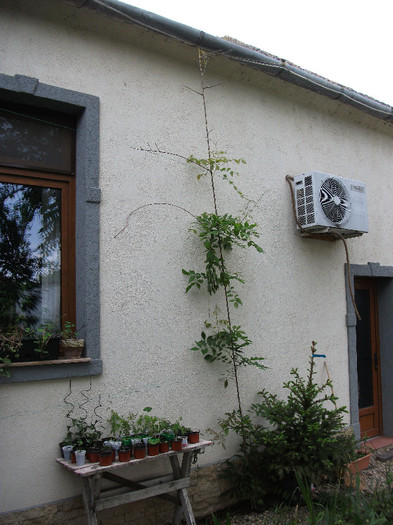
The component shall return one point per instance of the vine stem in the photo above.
(202, 61)
(152, 204)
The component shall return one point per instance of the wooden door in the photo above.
(368, 361)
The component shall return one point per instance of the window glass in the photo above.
(30, 255)
(35, 142)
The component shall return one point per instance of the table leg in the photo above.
(183, 472)
(90, 491)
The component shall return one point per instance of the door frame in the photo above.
(369, 284)
(383, 276)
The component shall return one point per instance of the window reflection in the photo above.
(27, 141)
(30, 255)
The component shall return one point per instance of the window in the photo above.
(49, 216)
(37, 210)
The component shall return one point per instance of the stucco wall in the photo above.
(295, 291)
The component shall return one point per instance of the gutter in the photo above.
(256, 59)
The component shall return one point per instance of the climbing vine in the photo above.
(219, 233)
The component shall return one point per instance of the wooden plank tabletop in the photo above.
(89, 469)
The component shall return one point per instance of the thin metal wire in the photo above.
(69, 402)
(56, 124)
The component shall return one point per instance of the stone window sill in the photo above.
(47, 362)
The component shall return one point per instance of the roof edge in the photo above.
(259, 60)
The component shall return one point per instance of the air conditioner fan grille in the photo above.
(334, 201)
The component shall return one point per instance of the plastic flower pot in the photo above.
(67, 449)
(80, 456)
(115, 444)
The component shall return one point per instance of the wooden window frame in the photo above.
(67, 186)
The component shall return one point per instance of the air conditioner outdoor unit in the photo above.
(326, 203)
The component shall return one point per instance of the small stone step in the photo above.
(384, 456)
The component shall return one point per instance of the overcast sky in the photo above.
(346, 41)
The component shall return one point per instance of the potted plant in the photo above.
(67, 444)
(164, 444)
(139, 450)
(42, 342)
(153, 446)
(146, 424)
(124, 453)
(121, 426)
(66, 451)
(80, 456)
(82, 434)
(72, 346)
(10, 345)
(193, 436)
(126, 441)
(92, 454)
(116, 445)
(181, 431)
(105, 456)
(177, 443)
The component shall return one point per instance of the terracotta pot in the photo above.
(193, 437)
(359, 464)
(177, 446)
(124, 455)
(164, 447)
(153, 450)
(139, 453)
(72, 353)
(353, 470)
(93, 456)
(73, 457)
(105, 460)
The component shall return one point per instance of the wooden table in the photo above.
(94, 499)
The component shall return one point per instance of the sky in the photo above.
(346, 41)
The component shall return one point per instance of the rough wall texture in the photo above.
(294, 292)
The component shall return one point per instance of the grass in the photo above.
(334, 505)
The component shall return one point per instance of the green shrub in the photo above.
(305, 436)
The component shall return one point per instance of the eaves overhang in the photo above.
(247, 55)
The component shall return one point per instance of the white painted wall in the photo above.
(295, 292)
